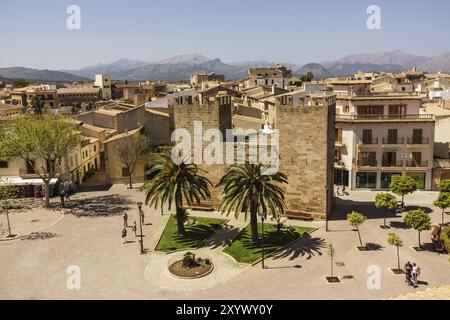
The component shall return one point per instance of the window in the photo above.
(416, 159)
(419, 177)
(392, 136)
(3, 164)
(341, 177)
(386, 178)
(346, 109)
(368, 159)
(389, 159)
(367, 136)
(397, 109)
(125, 172)
(366, 180)
(417, 136)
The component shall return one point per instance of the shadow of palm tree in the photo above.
(306, 246)
(222, 238)
(101, 206)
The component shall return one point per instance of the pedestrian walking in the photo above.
(125, 220)
(124, 235)
(408, 273)
(415, 274)
(134, 229)
(67, 190)
(338, 190)
(61, 194)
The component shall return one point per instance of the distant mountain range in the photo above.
(183, 66)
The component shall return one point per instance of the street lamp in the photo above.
(141, 241)
(263, 217)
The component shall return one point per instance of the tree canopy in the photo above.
(386, 200)
(42, 141)
(418, 220)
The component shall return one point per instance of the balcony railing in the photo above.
(392, 164)
(373, 141)
(418, 140)
(368, 163)
(417, 164)
(383, 117)
(393, 141)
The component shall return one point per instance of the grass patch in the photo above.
(243, 250)
(195, 234)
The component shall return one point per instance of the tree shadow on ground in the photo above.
(305, 247)
(222, 238)
(374, 246)
(101, 206)
(345, 206)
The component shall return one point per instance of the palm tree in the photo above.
(247, 190)
(174, 184)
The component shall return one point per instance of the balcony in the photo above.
(417, 164)
(391, 141)
(384, 118)
(367, 164)
(418, 141)
(369, 142)
(392, 164)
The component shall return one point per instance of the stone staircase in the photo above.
(437, 293)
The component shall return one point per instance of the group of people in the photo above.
(412, 272)
(344, 191)
(133, 227)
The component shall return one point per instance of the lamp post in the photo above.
(263, 218)
(327, 208)
(141, 241)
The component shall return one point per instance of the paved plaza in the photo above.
(36, 268)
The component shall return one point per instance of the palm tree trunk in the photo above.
(180, 222)
(254, 226)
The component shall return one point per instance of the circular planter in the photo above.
(177, 270)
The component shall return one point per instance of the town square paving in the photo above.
(37, 269)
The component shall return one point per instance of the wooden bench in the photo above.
(202, 206)
(297, 215)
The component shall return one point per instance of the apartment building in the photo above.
(84, 159)
(24, 96)
(199, 78)
(381, 135)
(78, 95)
(104, 82)
(277, 75)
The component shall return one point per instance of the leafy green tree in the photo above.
(8, 193)
(38, 105)
(308, 77)
(20, 83)
(444, 186)
(443, 202)
(403, 185)
(170, 183)
(129, 150)
(246, 189)
(356, 219)
(43, 142)
(395, 240)
(418, 220)
(386, 201)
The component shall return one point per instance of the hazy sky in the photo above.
(34, 33)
